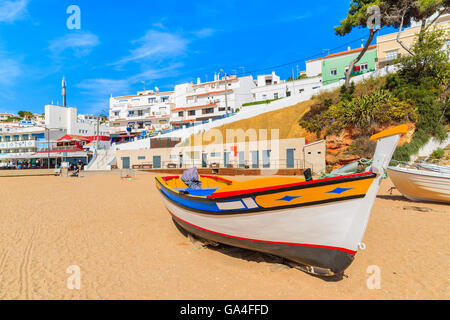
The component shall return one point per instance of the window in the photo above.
(141, 158)
(165, 99)
(364, 67)
(391, 55)
(130, 113)
(275, 95)
(191, 112)
(333, 72)
(152, 100)
(264, 97)
(180, 113)
(215, 154)
(208, 110)
(116, 113)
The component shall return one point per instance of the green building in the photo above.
(335, 65)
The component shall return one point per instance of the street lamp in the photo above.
(48, 147)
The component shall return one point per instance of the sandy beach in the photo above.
(126, 246)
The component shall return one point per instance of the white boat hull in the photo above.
(325, 236)
(420, 185)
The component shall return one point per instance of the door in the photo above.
(290, 158)
(226, 159)
(204, 160)
(241, 159)
(266, 159)
(255, 159)
(126, 162)
(156, 162)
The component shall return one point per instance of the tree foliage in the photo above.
(376, 14)
(25, 114)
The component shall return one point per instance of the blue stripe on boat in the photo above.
(199, 205)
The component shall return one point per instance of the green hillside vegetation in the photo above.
(417, 93)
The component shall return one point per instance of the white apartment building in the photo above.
(68, 120)
(146, 111)
(267, 80)
(277, 89)
(209, 100)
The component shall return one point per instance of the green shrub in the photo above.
(377, 108)
(259, 102)
(437, 154)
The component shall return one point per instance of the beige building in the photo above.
(6, 116)
(388, 49)
(266, 154)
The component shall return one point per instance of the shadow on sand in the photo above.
(275, 263)
(393, 198)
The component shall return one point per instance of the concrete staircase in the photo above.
(102, 160)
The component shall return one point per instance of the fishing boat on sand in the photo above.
(317, 223)
(421, 185)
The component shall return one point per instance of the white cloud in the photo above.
(156, 45)
(10, 70)
(11, 11)
(204, 33)
(81, 43)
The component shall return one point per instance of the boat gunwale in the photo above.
(273, 189)
(433, 174)
(293, 186)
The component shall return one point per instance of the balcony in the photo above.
(32, 143)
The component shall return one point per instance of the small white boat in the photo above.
(421, 185)
(435, 167)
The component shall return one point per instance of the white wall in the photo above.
(313, 68)
(294, 87)
(66, 118)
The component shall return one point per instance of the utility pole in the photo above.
(226, 93)
(293, 83)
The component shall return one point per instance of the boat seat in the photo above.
(203, 192)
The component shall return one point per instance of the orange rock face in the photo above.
(339, 151)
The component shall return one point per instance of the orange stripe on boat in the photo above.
(236, 189)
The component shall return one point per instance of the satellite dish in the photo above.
(157, 89)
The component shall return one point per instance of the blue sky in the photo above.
(122, 43)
